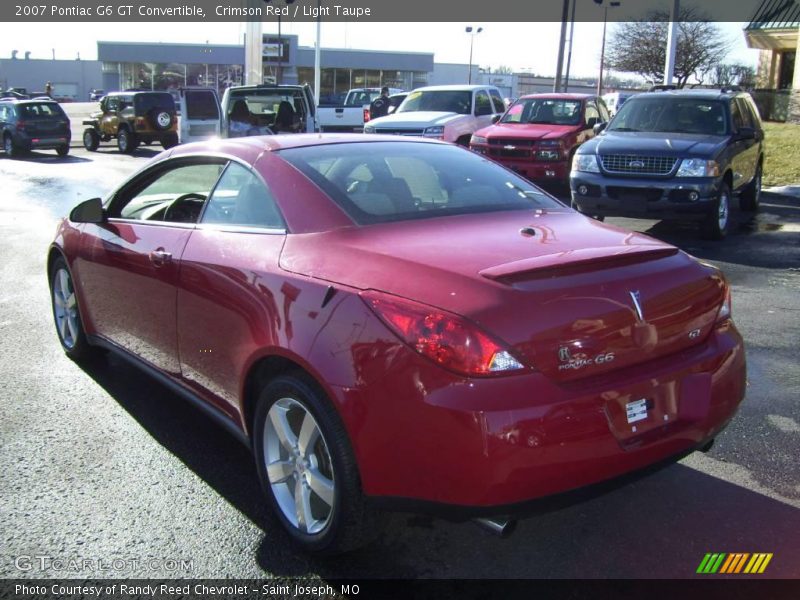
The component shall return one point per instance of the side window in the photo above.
(736, 115)
(3, 114)
(747, 118)
(754, 115)
(176, 195)
(112, 105)
(592, 115)
(241, 199)
(483, 106)
(601, 106)
(499, 105)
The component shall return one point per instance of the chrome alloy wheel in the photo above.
(299, 466)
(65, 307)
(723, 210)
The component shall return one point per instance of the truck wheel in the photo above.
(91, 140)
(750, 198)
(717, 223)
(169, 141)
(126, 141)
(63, 150)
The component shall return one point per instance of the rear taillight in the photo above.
(450, 341)
(725, 310)
(366, 115)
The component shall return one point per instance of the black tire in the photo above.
(169, 141)
(10, 148)
(351, 522)
(127, 141)
(750, 198)
(62, 150)
(91, 140)
(160, 119)
(464, 141)
(73, 342)
(716, 225)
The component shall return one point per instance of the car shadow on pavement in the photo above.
(41, 157)
(658, 526)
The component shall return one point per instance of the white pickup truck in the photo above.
(444, 112)
(350, 116)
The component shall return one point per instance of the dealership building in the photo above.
(159, 66)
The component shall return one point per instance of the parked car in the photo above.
(446, 112)
(271, 109)
(350, 116)
(615, 100)
(96, 95)
(133, 118)
(27, 125)
(674, 155)
(397, 322)
(395, 100)
(539, 134)
(16, 93)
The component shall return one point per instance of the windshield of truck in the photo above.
(655, 113)
(456, 101)
(546, 111)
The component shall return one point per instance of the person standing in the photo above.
(380, 106)
(48, 89)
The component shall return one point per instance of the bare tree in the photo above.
(733, 74)
(640, 46)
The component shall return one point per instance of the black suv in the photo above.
(674, 155)
(26, 125)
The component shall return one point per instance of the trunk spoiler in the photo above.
(571, 262)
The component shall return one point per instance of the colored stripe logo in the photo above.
(734, 563)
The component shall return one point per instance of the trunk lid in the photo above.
(562, 298)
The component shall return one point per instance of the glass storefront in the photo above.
(164, 76)
(335, 83)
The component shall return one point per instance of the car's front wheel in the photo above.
(91, 140)
(66, 313)
(717, 223)
(307, 468)
(10, 147)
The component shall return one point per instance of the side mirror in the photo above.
(496, 118)
(599, 128)
(88, 211)
(591, 122)
(746, 133)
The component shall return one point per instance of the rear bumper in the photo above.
(482, 445)
(597, 194)
(43, 142)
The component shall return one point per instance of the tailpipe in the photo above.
(501, 526)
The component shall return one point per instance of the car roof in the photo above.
(17, 101)
(273, 143)
(704, 93)
(453, 87)
(557, 96)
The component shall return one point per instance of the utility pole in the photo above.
(253, 53)
(569, 53)
(672, 42)
(561, 41)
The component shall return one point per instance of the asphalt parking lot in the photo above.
(98, 462)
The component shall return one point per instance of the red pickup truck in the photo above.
(538, 134)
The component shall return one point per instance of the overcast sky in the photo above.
(517, 45)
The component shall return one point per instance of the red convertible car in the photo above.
(398, 323)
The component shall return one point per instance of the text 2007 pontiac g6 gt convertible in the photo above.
(395, 322)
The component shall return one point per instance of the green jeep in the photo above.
(133, 118)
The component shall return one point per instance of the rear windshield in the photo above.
(146, 102)
(457, 101)
(41, 110)
(383, 182)
(201, 104)
(266, 102)
(545, 111)
(362, 97)
(671, 115)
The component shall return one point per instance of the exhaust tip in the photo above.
(500, 526)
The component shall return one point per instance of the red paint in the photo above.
(418, 430)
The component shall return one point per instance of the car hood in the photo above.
(527, 131)
(671, 144)
(567, 285)
(415, 119)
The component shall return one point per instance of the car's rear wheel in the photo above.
(91, 140)
(126, 141)
(717, 223)
(62, 150)
(66, 313)
(307, 468)
(169, 141)
(750, 198)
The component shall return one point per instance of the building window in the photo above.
(786, 72)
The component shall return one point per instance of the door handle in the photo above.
(160, 257)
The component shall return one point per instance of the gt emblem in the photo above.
(694, 334)
(563, 354)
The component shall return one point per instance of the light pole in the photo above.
(561, 40)
(317, 58)
(613, 3)
(672, 42)
(569, 52)
(472, 33)
(278, 75)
